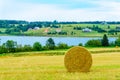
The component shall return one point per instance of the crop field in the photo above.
(106, 66)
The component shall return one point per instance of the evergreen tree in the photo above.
(105, 41)
(50, 44)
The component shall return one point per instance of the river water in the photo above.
(30, 40)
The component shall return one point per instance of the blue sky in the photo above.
(61, 10)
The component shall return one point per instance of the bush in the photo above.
(3, 49)
(112, 44)
(27, 48)
(37, 46)
(62, 46)
(117, 42)
(93, 43)
(80, 44)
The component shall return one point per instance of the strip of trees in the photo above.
(11, 46)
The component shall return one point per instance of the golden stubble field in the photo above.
(106, 66)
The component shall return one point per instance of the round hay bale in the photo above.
(78, 59)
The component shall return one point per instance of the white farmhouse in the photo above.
(36, 28)
(58, 30)
(30, 29)
(86, 30)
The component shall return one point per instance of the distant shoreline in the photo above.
(58, 36)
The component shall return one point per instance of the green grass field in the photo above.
(69, 28)
(106, 66)
(71, 32)
(2, 29)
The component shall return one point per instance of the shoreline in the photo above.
(60, 36)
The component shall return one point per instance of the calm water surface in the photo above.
(30, 40)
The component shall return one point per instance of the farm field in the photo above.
(2, 29)
(59, 40)
(69, 28)
(97, 50)
(106, 66)
(60, 29)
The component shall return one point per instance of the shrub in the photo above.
(27, 48)
(19, 48)
(117, 41)
(3, 49)
(93, 43)
(37, 46)
(80, 44)
(62, 46)
(112, 44)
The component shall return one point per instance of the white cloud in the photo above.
(1, 6)
(105, 10)
(108, 10)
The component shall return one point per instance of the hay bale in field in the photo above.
(78, 59)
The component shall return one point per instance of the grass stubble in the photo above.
(106, 66)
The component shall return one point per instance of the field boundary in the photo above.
(51, 53)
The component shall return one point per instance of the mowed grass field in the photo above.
(106, 66)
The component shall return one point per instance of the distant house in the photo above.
(104, 23)
(30, 29)
(86, 30)
(46, 30)
(36, 28)
(118, 28)
(58, 30)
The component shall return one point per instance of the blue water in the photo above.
(30, 40)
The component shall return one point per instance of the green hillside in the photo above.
(72, 29)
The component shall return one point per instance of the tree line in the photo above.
(12, 46)
(7, 22)
(104, 42)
